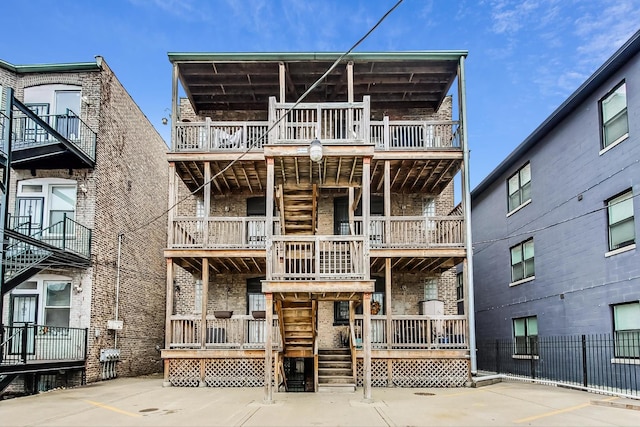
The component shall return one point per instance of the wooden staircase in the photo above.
(298, 208)
(298, 327)
(335, 371)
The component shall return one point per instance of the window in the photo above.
(460, 293)
(620, 221)
(430, 289)
(341, 308)
(42, 203)
(519, 187)
(626, 327)
(525, 335)
(57, 303)
(522, 265)
(613, 110)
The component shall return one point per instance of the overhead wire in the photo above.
(251, 144)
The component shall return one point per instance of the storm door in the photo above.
(24, 310)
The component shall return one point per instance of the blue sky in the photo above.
(525, 57)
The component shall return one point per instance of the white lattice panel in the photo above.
(184, 372)
(234, 373)
(417, 372)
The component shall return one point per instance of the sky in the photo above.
(525, 57)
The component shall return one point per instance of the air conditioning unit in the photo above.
(432, 307)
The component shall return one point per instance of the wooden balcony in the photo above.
(317, 258)
(238, 332)
(446, 332)
(219, 232)
(418, 232)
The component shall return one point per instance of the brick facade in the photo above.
(126, 193)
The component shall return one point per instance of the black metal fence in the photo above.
(598, 362)
(31, 343)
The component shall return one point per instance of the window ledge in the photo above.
(520, 282)
(613, 144)
(620, 250)
(524, 356)
(625, 361)
(518, 208)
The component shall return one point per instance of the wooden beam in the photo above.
(366, 344)
(203, 307)
(268, 347)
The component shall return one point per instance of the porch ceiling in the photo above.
(410, 175)
(224, 265)
(416, 264)
(245, 81)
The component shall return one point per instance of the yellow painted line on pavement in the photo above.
(552, 413)
(111, 408)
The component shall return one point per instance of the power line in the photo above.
(251, 144)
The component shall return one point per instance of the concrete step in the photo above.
(336, 388)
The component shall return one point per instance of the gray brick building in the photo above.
(555, 225)
(92, 162)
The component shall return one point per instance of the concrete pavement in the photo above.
(144, 402)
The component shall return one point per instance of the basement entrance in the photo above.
(298, 374)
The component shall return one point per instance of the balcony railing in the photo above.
(238, 332)
(414, 231)
(416, 332)
(31, 343)
(220, 136)
(332, 123)
(219, 232)
(66, 234)
(317, 258)
(28, 133)
(415, 135)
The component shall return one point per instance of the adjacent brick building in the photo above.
(117, 191)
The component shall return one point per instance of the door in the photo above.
(255, 302)
(33, 132)
(24, 310)
(29, 215)
(256, 206)
(67, 110)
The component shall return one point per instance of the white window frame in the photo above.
(524, 178)
(620, 202)
(619, 92)
(523, 246)
(626, 330)
(527, 335)
(40, 289)
(46, 193)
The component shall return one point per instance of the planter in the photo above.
(259, 314)
(224, 314)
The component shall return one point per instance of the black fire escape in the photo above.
(31, 141)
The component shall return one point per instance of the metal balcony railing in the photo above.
(29, 133)
(30, 343)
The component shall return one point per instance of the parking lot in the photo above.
(144, 402)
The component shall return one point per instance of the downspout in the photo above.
(467, 216)
(120, 236)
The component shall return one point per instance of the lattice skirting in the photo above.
(217, 372)
(417, 372)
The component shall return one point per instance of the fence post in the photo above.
(497, 356)
(584, 361)
(532, 359)
(24, 341)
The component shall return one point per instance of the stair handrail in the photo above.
(281, 325)
(75, 237)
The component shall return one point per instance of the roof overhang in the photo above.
(51, 68)
(245, 81)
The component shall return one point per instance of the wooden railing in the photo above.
(416, 332)
(219, 232)
(414, 135)
(331, 122)
(413, 231)
(220, 136)
(317, 258)
(240, 332)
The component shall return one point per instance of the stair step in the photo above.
(334, 351)
(335, 358)
(336, 388)
(335, 379)
(322, 364)
(340, 372)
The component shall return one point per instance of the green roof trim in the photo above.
(51, 68)
(452, 55)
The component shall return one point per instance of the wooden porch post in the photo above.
(366, 209)
(168, 314)
(269, 217)
(387, 261)
(203, 329)
(173, 190)
(207, 203)
(366, 343)
(282, 71)
(268, 348)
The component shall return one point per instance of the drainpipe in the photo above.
(466, 185)
(120, 236)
